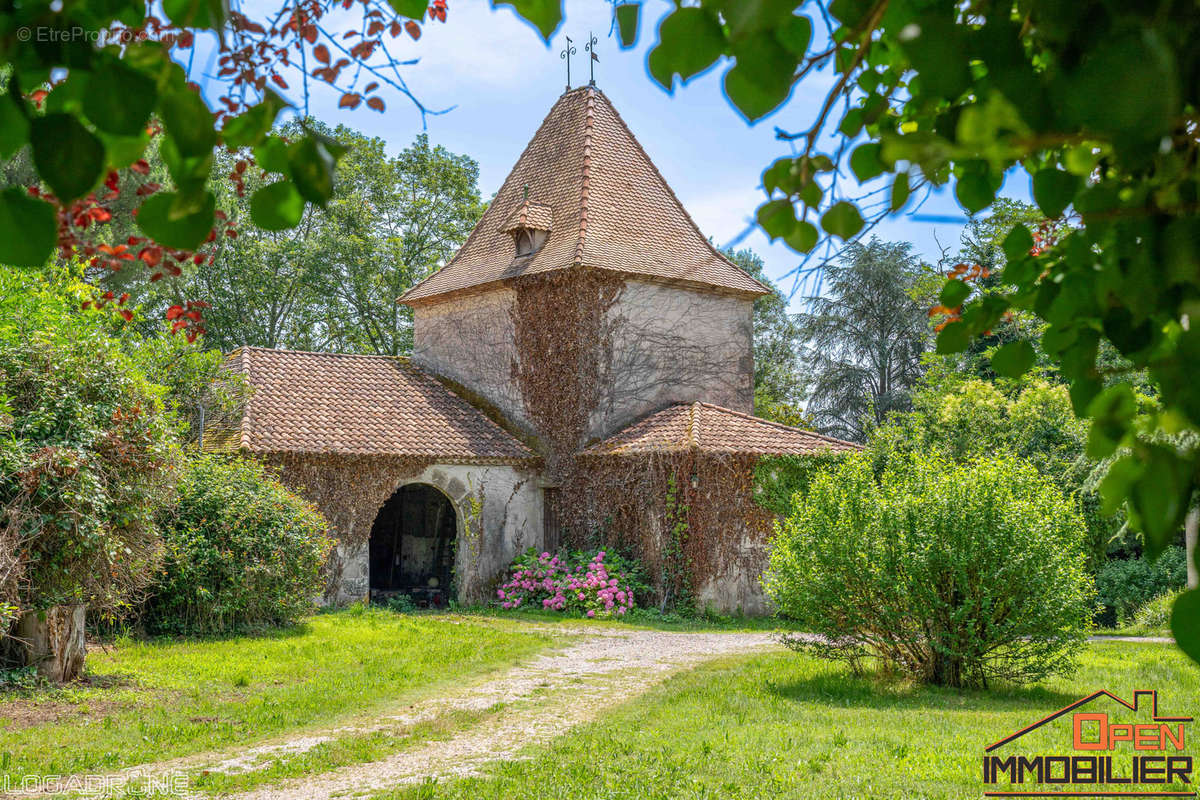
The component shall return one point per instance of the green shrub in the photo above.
(1125, 584)
(953, 574)
(1157, 612)
(86, 453)
(242, 551)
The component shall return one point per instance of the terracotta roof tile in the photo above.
(713, 429)
(353, 404)
(537, 216)
(612, 211)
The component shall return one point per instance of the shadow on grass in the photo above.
(878, 691)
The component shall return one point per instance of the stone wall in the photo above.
(725, 541)
(667, 345)
(652, 346)
(470, 340)
(498, 509)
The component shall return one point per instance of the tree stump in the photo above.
(51, 640)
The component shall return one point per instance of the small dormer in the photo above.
(530, 226)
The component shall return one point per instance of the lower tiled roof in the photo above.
(713, 429)
(304, 402)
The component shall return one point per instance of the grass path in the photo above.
(459, 731)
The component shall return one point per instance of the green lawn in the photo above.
(785, 725)
(147, 701)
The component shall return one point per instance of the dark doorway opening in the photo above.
(412, 547)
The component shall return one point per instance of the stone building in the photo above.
(585, 351)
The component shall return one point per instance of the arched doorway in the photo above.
(412, 547)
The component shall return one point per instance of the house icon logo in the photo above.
(1103, 746)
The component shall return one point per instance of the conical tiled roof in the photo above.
(610, 209)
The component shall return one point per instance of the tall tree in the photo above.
(392, 222)
(331, 282)
(778, 388)
(864, 337)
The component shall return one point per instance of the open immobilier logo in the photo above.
(1112, 755)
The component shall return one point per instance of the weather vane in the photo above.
(591, 48)
(566, 54)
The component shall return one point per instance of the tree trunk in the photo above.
(50, 640)
(1191, 529)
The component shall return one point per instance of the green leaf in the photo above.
(1158, 498)
(795, 34)
(124, 150)
(899, 191)
(1013, 359)
(311, 166)
(545, 15)
(954, 293)
(627, 23)
(277, 206)
(185, 233)
(28, 229)
(803, 237)
(850, 12)
(186, 171)
(119, 99)
(852, 123)
(689, 41)
(14, 127)
(1018, 243)
(761, 78)
(953, 338)
(865, 162)
(842, 220)
(413, 9)
(974, 190)
(1126, 86)
(272, 154)
(780, 176)
(1111, 411)
(1117, 483)
(68, 157)
(1053, 190)
(939, 54)
(188, 121)
(195, 13)
(1185, 623)
(777, 217)
(248, 128)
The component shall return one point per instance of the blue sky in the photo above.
(498, 80)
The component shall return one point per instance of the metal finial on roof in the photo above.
(591, 48)
(527, 191)
(566, 54)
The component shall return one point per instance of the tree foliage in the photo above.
(863, 338)
(1095, 102)
(88, 84)
(87, 452)
(331, 282)
(966, 419)
(959, 575)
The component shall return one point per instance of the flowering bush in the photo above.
(593, 585)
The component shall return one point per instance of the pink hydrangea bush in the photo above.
(599, 584)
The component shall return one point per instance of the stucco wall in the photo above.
(673, 345)
(470, 340)
(498, 509)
